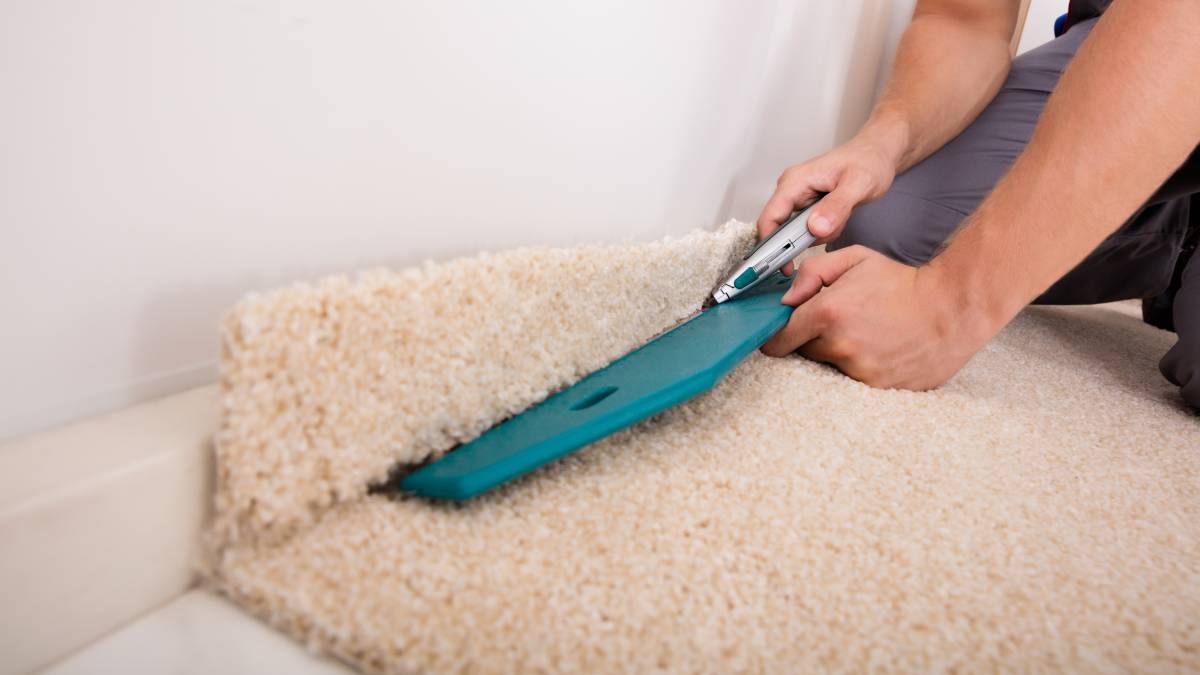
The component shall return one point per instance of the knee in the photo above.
(894, 232)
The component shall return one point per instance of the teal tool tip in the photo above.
(745, 278)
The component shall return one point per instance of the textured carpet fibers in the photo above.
(1039, 512)
(326, 387)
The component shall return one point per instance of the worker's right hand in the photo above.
(851, 174)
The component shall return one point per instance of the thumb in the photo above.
(818, 271)
(830, 214)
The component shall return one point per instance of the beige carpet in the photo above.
(1039, 512)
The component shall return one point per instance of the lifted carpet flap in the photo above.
(327, 387)
(1039, 512)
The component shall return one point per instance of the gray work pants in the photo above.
(927, 203)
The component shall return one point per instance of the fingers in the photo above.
(814, 316)
(830, 214)
(799, 185)
(805, 324)
(816, 272)
(845, 357)
(824, 350)
(796, 188)
(778, 208)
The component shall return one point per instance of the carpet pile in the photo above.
(1039, 512)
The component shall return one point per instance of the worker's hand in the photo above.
(851, 174)
(879, 321)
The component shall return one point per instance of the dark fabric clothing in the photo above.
(928, 202)
(1181, 365)
(1079, 11)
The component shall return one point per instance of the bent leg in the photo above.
(1135, 262)
(904, 227)
(927, 203)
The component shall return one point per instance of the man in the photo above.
(1066, 182)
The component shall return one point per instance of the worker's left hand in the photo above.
(879, 321)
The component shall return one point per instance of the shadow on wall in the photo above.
(166, 335)
(865, 68)
(800, 108)
(837, 94)
(318, 136)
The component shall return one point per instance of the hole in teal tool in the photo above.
(594, 398)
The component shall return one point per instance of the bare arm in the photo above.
(1123, 117)
(951, 61)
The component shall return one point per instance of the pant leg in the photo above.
(1181, 365)
(1139, 259)
(1135, 262)
(925, 204)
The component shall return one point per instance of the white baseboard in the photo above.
(100, 522)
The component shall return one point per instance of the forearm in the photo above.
(1123, 117)
(950, 63)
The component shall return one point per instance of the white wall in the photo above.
(1039, 23)
(158, 159)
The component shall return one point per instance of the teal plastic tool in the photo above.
(666, 371)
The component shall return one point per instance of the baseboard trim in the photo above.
(101, 522)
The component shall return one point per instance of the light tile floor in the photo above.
(197, 633)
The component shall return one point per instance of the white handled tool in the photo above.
(774, 252)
